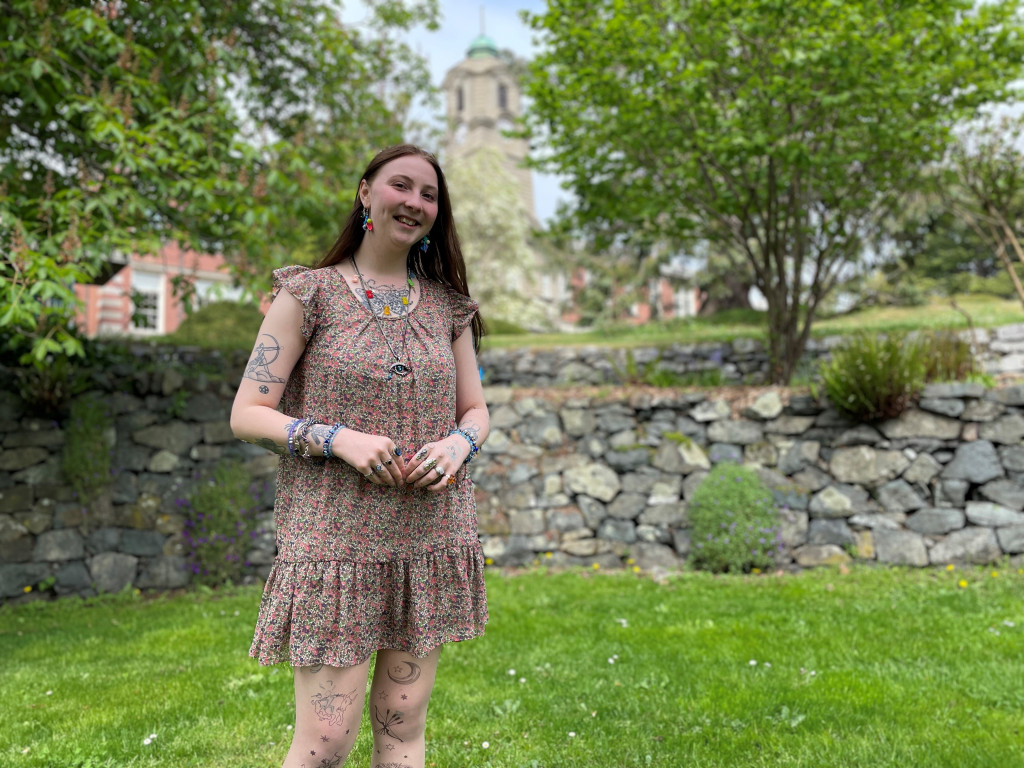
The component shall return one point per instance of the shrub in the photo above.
(734, 522)
(221, 524)
(948, 358)
(871, 377)
(220, 324)
(87, 448)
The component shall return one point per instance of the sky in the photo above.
(460, 24)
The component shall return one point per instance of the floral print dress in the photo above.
(360, 566)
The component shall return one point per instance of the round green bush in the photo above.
(735, 526)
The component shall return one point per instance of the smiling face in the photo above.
(402, 198)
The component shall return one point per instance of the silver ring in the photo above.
(440, 472)
(370, 473)
(378, 468)
(431, 464)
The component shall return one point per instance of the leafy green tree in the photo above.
(494, 228)
(988, 165)
(226, 126)
(785, 127)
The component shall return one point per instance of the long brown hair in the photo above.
(443, 260)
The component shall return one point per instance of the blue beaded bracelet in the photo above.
(473, 448)
(291, 436)
(335, 429)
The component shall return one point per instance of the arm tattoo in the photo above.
(472, 429)
(318, 433)
(270, 445)
(259, 365)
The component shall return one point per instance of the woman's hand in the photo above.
(375, 457)
(433, 465)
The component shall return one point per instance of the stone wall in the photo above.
(170, 430)
(742, 361)
(570, 477)
(578, 480)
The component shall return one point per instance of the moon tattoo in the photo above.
(399, 674)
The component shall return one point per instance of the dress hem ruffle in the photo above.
(338, 612)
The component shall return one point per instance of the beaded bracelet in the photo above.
(291, 436)
(473, 448)
(335, 428)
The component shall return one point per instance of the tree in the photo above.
(784, 128)
(494, 229)
(926, 247)
(226, 126)
(988, 164)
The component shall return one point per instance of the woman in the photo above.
(382, 408)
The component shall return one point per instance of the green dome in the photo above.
(482, 47)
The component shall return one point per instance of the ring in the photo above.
(397, 451)
(421, 454)
(431, 464)
(451, 479)
(370, 473)
(440, 472)
(378, 468)
(389, 462)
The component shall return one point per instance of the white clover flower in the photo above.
(752, 662)
(611, 661)
(522, 679)
(512, 673)
(486, 745)
(49, 693)
(572, 734)
(152, 735)
(147, 742)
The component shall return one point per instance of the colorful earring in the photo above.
(424, 243)
(367, 221)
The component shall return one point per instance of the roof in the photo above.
(482, 47)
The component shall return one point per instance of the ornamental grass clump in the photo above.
(871, 377)
(221, 525)
(735, 524)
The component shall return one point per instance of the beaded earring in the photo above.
(367, 221)
(424, 244)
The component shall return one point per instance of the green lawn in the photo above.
(869, 668)
(985, 312)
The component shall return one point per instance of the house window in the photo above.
(459, 102)
(502, 96)
(147, 290)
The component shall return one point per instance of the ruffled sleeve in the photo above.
(303, 283)
(463, 308)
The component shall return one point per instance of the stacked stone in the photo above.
(585, 480)
(167, 431)
(742, 361)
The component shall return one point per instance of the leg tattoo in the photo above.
(403, 676)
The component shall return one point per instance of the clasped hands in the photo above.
(381, 462)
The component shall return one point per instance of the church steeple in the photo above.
(482, 99)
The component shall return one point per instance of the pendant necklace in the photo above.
(397, 368)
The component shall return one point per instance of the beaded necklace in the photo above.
(397, 368)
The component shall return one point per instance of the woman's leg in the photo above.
(328, 707)
(399, 697)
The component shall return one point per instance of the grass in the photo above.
(985, 311)
(872, 667)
